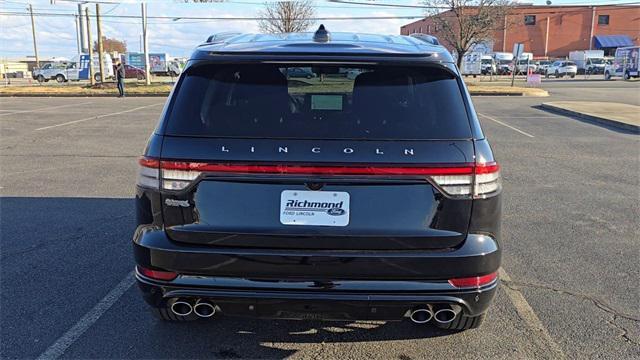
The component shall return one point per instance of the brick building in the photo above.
(554, 31)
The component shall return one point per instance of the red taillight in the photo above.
(158, 275)
(150, 163)
(475, 281)
(464, 179)
(317, 170)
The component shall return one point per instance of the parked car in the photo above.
(132, 72)
(300, 72)
(260, 197)
(524, 66)
(542, 66)
(52, 71)
(562, 68)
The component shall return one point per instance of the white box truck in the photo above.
(625, 63)
(588, 61)
(472, 64)
(504, 62)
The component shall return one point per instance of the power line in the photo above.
(317, 18)
(350, 2)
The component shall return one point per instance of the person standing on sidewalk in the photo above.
(120, 75)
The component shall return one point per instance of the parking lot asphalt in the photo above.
(570, 236)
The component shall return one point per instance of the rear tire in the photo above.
(462, 322)
(60, 78)
(165, 314)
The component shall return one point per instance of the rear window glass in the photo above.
(318, 102)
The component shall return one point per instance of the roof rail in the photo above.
(222, 36)
(426, 38)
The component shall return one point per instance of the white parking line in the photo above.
(97, 117)
(507, 125)
(529, 316)
(44, 108)
(62, 344)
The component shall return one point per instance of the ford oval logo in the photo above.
(335, 211)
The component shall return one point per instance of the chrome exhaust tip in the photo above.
(181, 308)
(204, 309)
(421, 315)
(445, 316)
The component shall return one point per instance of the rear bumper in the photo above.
(381, 285)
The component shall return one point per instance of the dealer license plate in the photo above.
(324, 208)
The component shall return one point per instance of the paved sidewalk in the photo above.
(623, 116)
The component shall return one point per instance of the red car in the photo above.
(132, 72)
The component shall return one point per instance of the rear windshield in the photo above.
(318, 102)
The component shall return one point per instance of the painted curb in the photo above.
(597, 119)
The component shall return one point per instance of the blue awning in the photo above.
(612, 41)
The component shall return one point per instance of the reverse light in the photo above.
(148, 173)
(156, 274)
(474, 281)
(482, 181)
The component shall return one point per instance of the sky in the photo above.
(56, 36)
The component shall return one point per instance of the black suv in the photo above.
(365, 191)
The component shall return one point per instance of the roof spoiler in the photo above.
(430, 39)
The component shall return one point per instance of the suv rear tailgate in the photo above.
(244, 210)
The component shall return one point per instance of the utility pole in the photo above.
(33, 32)
(504, 35)
(546, 39)
(100, 50)
(145, 45)
(593, 19)
(90, 48)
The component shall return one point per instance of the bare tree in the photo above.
(464, 23)
(286, 16)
